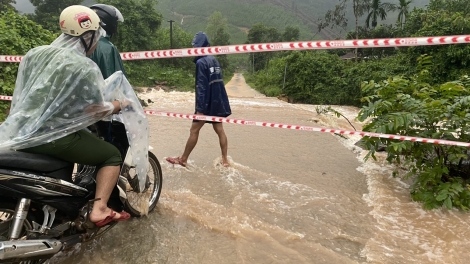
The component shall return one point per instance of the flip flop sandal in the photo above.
(110, 218)
(176, 161)
(124, 216)
(107, 220)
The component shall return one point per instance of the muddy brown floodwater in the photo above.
(289, 197)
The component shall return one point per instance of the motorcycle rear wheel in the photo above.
(136, 203)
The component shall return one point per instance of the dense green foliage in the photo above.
(47, 12)
(260, 33)
(414, 107)
(7, 5)
(442, 18)
(317, 77)
(19, 35)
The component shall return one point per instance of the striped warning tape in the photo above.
(297, 127)
(309, 128)
(298, 45)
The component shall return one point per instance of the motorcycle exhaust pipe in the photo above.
(29, 248)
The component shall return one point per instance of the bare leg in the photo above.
(192, 140)
(105, 182)
(219, 129)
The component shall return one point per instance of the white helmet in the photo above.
(76, 20)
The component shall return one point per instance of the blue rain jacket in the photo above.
(211, 96)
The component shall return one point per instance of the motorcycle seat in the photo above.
(38, 163)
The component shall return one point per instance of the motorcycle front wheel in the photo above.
(139, 204)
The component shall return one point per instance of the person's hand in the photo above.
(117, 106)
(97, 110)
(126, 103)
(120, 105)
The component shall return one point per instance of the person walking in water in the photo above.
(211, 100)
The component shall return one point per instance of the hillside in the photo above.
(192, 15)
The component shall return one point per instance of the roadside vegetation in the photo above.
(414, 91)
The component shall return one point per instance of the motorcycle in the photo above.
(35, 187)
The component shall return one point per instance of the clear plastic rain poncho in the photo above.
(60, 91)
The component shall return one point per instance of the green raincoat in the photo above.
(107, 57)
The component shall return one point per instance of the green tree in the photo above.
(337, 17)
(7, 4)
(47, 12)
(141, 23)
(138, 32)
(19, 34)
(291, 34)
(260, 33)
(403, 8)
(217, 31)
(379, 32)
(181, 39)
(441, 18)
(377, 9)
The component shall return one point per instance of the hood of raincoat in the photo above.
(200, 40)
(59, 91)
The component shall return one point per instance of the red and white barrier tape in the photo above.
(309, 128)
(299, 45)
(296, 127)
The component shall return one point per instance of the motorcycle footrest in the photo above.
(71, 241)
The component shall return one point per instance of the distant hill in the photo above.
(242, 14)
(192, 15)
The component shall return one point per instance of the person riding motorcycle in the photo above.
(59, 92)
(106, 55)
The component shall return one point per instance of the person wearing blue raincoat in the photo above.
(211, 100)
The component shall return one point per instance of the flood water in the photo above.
(289, 197)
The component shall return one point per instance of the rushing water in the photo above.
(289, 197)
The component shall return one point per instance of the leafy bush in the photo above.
(322, 78)
(441, 18)
(355, 73)
(311, 77)
(18, 35)
(414, 107)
